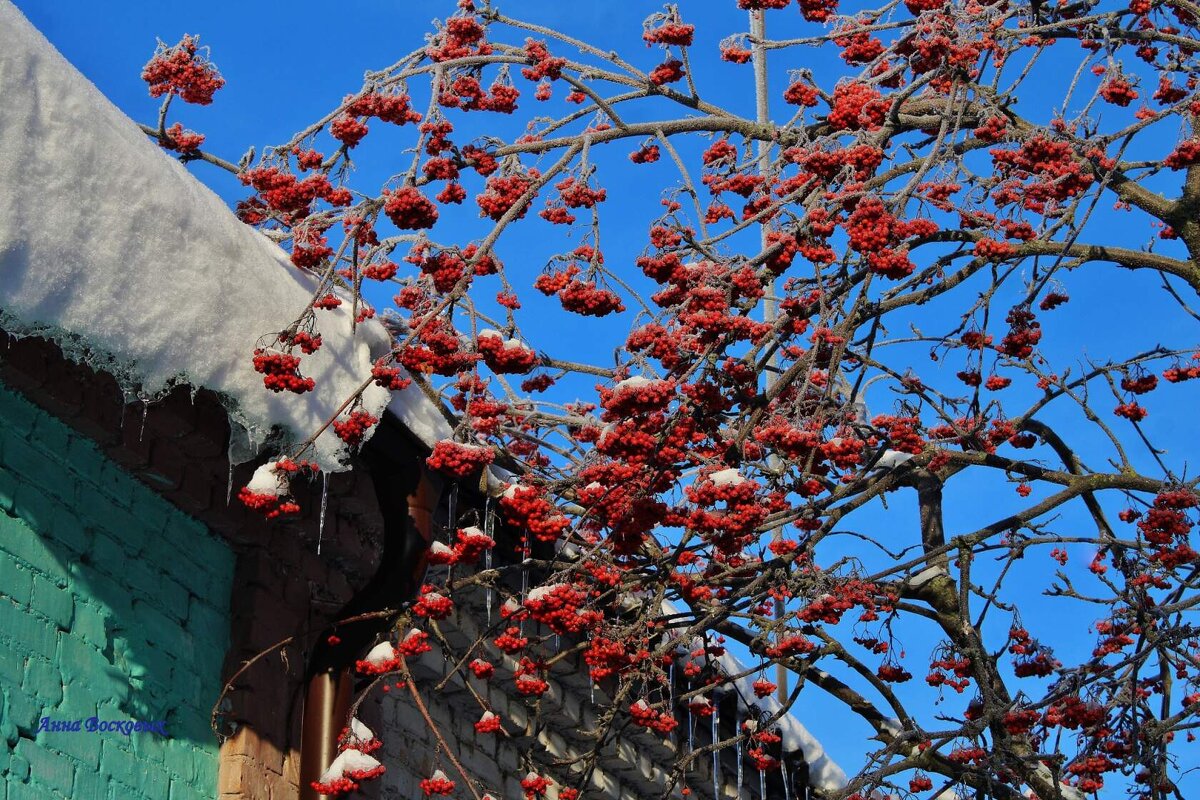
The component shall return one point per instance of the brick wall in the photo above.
(632, 765)
(113, 603)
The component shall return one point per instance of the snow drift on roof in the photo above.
(113, 249)
(823, 771)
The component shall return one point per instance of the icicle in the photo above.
(738, 748)
(787, 795)
(487, 554)
(691, 744)
(145, 412)
(452, 522)
(762, 784)
(229, 486)
(671, 685)
(524, 580)
(324, 503)
(716, 737)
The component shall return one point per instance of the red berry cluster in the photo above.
(790, 645)
(281, 371)
(1073, 713)
(392, 108)
(269, 505)
(818, 10)
(735, 54)
(462, 37)
(646, 154)
(1185, 154)
(379, 664)
(528, 678)
(348, 130)
(1118, 91)
(488, 723)
(670, 71)
(502, 193)
(459, 460)
(439, 784)
(992, 129)
(182, 71)
(645, 715)
(671, 33)
(408, 209)
(586, 299)
(757, 5)
(560, 607)
(282, 192)
(958, 666)
(471, 544)
(992, 250)
(534, 785)
(801, 93)
(1024, 332)
(920, 783)
(893, 673)
(414, 643)
(438, 349)
(1131, 411)
(1040, 171)
(527, 508)
(505, 357)
(858, 46)
(544, 64)
(511, 641)
(352, 429)
(467, 94)
(577, 194)
(181, 141)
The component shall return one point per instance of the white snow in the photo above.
(112, 248)
(926, 575)
(267, 480)
(360, 731)
(823, 772)
(509, 344)
(440, 548)
(892, 459)
(348, 761)
(438, 775)
(381, 653)
(420, 415)
(636, 382)
(537, 593)
(726, 477)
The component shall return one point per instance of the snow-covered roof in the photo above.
(110, 247)
(823, 771)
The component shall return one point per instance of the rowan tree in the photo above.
(850, 298)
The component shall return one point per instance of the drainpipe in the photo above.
(408, 495)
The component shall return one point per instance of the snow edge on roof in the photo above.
(112, 249)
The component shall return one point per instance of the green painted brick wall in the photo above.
(112, 604)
